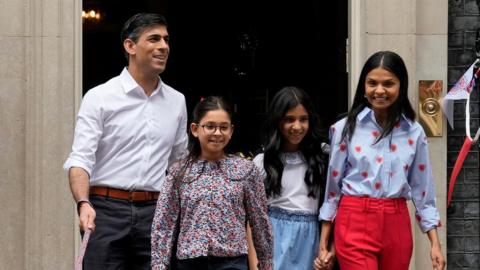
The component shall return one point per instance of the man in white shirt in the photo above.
(128, 131)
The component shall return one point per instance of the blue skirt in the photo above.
(295, 236)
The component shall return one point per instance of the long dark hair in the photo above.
(310, 147)
(392, 62)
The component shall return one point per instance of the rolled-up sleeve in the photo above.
(420, 180)
(88, 131)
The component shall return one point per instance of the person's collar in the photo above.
(405, 119)
(367, 114)
(128, 82)
(292, 158)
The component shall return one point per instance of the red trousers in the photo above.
(373, 234)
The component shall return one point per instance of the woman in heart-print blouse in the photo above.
(379, 159)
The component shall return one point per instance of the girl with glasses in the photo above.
(207, 200)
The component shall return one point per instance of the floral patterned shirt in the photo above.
(213, 202)
(397, 166)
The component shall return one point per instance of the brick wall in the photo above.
(463, 230)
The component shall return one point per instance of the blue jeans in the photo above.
(214, 263)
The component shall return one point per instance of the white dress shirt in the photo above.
(294, 193)
(125, 139)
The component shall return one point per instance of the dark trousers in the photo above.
(214, 263)
(121, 239)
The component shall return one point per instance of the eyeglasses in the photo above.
(211, 129)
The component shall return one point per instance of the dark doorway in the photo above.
(243, 50)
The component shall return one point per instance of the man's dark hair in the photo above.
(137, 24)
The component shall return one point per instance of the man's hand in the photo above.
(87, 216)
(79, 185)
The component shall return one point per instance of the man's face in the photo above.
(150, 52)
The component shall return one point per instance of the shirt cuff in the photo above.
(328, 211)
(428, 219)
(75, 163)
(265, 265)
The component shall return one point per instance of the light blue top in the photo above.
(397, 166)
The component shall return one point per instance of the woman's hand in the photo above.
(325, 259)
(438, 261)
(326, 249)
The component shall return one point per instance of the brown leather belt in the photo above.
(133, 196)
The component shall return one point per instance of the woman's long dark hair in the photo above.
(392, 62)
(310, 147)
